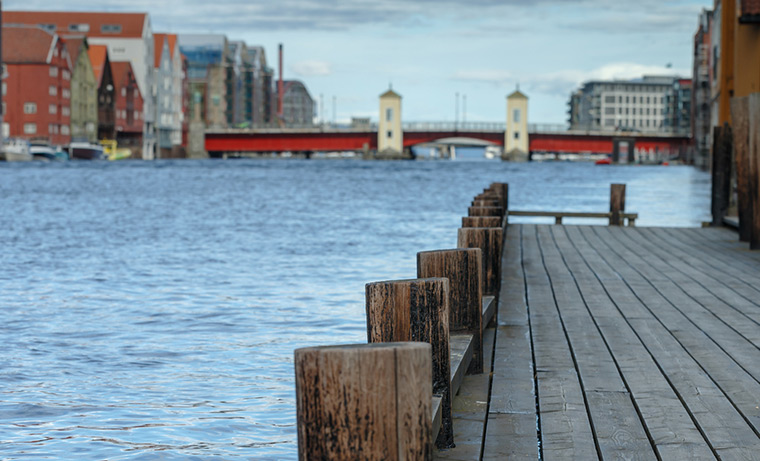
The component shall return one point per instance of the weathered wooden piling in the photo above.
(502, 189)
(721, 172)
(489, 203)
(368, 401)
(481, 221)
(617, 204)
(753, 151)
(485, 211)
(462, 267)
(489, 240)
(741, 130)
(416, 310)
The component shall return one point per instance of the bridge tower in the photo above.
(390, 137)
(516, 137)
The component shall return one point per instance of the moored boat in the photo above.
(48, 154)
(16, 150)
(85, 151)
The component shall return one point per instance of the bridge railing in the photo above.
(454, 126)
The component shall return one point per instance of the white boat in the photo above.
(492, 152)
(16, 150)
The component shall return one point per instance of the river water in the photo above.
(149, 310)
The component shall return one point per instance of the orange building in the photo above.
(37, 90)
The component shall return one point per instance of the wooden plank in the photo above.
(490, 241)
(489, 309)
(481, 221)
(462, 350)
(753, 153)
(696, 369)
(469, 410)
(565, 428)
(436, 411)
(617, 204)
(721, 172)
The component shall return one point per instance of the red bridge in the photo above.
(542, 139)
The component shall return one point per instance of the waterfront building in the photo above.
(128, 36)
(207, 57)
(297, 105)
(390, 137)
(84, 91)
(169, 78)
(678, 107)
(129, 106)
(37, 88)
(700, 95)
(101, 67)
(622, 105)
(516, 135)
(262, 109)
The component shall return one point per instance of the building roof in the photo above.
(120, 69)
(98, 54)
(122, 25)
(517, 94)
(74, 45)
(27, 45)
(158, 49)
(390, 94)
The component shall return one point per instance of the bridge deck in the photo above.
(619, 343)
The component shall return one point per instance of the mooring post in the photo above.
(416, 310)
(485, 211)
(617, 204)
(741, 130)
(462, 267)
(365, 401)
(489, 240)
(481, 221)
(721, 172)
(488, 203)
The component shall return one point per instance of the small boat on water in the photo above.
(16, 150)
(85, 151)
(113, 152)
(48, 154)
(603, 161)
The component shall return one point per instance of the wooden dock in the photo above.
(618, 343)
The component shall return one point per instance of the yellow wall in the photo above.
(727, 28)
(390, 101)
(746, 58)
(516, 102)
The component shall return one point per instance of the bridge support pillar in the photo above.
(390, 136)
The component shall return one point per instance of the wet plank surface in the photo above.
(623, 343)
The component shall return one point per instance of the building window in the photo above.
(517, 135)
(30, 108)
(123, 92)
(53, 91)
(111, 28)
(390, 134)
(66, 93)
(79, 27)
(53, 109)
(53, 71)
(30, 128)
(65, 111)
(5, 89)
(388, 115)
(65, 130)
(516, 115)
(66, 75)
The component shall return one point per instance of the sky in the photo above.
(348, 52)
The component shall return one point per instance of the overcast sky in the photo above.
(429, 50)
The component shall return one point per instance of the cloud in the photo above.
(311, 68)
(497, 77)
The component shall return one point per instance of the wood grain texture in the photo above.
(489, 240)
(721, 173)
(481, 221)
(369, 402)
(416, 310)
(753, 152)
(486, 203)
(485, 211)
(740, 120)
(462, 267)
(617, 204)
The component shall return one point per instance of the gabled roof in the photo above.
(74, 45)
(98, 54)
(120, 69)
(27, 45)
(158, 49)
(517, 94)
(130, 25)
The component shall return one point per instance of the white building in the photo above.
(168, 88)
(632, 105)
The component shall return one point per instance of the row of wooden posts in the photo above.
(736, 169)
(391, 398)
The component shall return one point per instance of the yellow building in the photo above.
(746, 58)
(516, 145)
(390, 137)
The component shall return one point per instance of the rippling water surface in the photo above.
(150, 310)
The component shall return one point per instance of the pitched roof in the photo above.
(172, 43)
(98, 54)
(390, 93)
(74, 45)
(27, 45)
(158, 49)
(123, 25)
(119, 69)
(517, 94)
